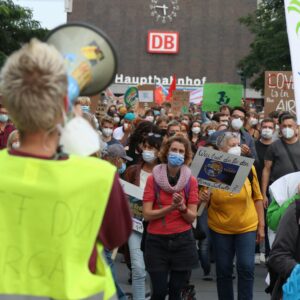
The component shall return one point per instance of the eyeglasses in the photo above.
(157, 135)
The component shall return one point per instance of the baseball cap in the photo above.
(117, 150)
(129, 116)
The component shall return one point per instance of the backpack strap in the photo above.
(298, 222)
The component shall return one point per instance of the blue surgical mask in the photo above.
(148, 156)
(85, 108)
(175, 159)
(3, 118)
(122, 169)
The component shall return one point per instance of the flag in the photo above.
(196, 96)
(216, 94)
(158, 95)
(172, 88)
(292, 14)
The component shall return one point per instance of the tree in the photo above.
(16, 28)
(270, 48)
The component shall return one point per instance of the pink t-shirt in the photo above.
(174, 222)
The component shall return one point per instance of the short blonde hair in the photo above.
(83, 101)
(34, 84)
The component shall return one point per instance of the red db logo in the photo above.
(163, 42)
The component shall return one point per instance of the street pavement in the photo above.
(205, 290)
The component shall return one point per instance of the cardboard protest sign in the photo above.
(217, 94)
(135, 195)
(220, 170)
(180, 102)
(279, 92)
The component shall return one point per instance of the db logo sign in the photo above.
(163, 42)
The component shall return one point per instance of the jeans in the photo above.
(204, 245)
(137, 266)
(120, 293)
(226, 246)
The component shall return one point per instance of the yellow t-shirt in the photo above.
(235, 213)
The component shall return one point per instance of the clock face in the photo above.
(164, 10)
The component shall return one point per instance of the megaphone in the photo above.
(89, 56)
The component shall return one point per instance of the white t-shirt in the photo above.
(143, 178)
(118, 133)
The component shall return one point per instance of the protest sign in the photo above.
(220, 170)
(131, 97)
(292, 14)
(146, 93)
(135, 195)
(217, 94)
(180, 102)
(279, 92)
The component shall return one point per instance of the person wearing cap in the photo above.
(63, 210)
(123, 132)
(117, 156)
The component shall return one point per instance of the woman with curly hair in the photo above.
(170, 205)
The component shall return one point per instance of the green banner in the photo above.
(217, 94)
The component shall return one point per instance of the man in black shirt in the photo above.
(283, 156)
(261, 145)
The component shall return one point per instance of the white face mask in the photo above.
(288, 133)
(107, 132)
(15, 145)
(253, 122)
(235, 150)
(116, 119)
(267, 133)
(78, 137)
(237, 124)
(196, 130)
(149, 118)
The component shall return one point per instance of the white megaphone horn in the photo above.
(90, 58)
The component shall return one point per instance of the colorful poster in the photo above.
(219, 170)
(217, 94)
(279, 92)
(292, 14)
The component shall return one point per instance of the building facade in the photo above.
(211, 41)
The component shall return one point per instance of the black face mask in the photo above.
(163, 132)
(172, 133)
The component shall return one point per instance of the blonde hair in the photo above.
(34, 84)
(83, 101)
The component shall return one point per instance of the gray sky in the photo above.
(50, 13)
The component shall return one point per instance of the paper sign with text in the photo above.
(135, 195)
(220, 170)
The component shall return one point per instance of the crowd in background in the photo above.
(153, 150)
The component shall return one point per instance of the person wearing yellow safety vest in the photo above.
(53, 207)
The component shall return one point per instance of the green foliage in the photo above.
(16, 28)
(270, 48)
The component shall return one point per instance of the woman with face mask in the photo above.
(137, 174)
(5, 127)
(195, 135)
(251, 125)
(170, 205)
(236, 223)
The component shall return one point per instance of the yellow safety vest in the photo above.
(50, 215)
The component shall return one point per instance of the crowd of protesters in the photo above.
(153, 150)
